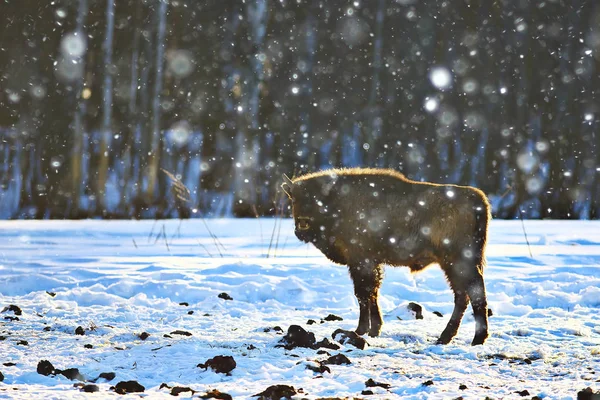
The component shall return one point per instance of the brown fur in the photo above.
(365, 217)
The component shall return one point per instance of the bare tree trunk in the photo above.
(78, 122)
(374, 110)
(246, 154)
(155, 142)
(131, 151)
(105, 138)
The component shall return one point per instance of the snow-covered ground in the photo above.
(119, 279)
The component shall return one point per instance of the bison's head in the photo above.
(309, 208)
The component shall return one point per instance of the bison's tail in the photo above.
(482, 219)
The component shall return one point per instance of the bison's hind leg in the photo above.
(466, 280)
(476, 292)
(367, 280)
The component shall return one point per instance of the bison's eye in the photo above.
(303, 223)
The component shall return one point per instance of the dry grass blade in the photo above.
(164, 232)
(183, 194)
(259, 224)
(179, 190)
(152, 230)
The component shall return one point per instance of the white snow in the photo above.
(118, 279)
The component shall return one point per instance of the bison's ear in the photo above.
(287, 185)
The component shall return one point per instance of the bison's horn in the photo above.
(287, 185)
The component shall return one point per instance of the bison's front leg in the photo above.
(367, 280)
(460, 306)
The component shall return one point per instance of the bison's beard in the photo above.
(305, 236)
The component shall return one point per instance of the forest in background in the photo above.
(97, 97)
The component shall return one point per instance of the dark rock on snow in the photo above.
(182, 333)
(1, 377)
(427, 383)
(277, 392)
(177, 390)
(338, 359)
(144, 335)
(108, 376)
(462, 387)
(89, 388)
(327, 344)
(15, 309)
(275, 328)
(215, 394)
(297, 336)
(124, 387)
(219, 364)
(88, 346)
(372, 383)
(522, 393)
(72, 374)
(349, 337)
(319, 368)
(332, 317)
(225, 296)
(439, 314)
(417, 309)
(45, 368)
(79, 331)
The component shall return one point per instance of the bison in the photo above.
(365, 218)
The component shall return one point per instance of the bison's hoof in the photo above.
(375, 332)
(443, 340)
(360, 331)
(479, 339)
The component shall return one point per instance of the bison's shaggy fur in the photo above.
(364, 218)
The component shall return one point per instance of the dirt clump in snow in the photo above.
(13, 308)
(277, 392)
(417, 309)
(215, 394)
(89, 388)
(372, 383)
(46, 368)
(333, 317)
(124, 387)
(182, 333)
(338, 359)
(225, 296)
(349, 337)
(219, 364)
(297, 336)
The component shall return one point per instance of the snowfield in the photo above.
(152, 302)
